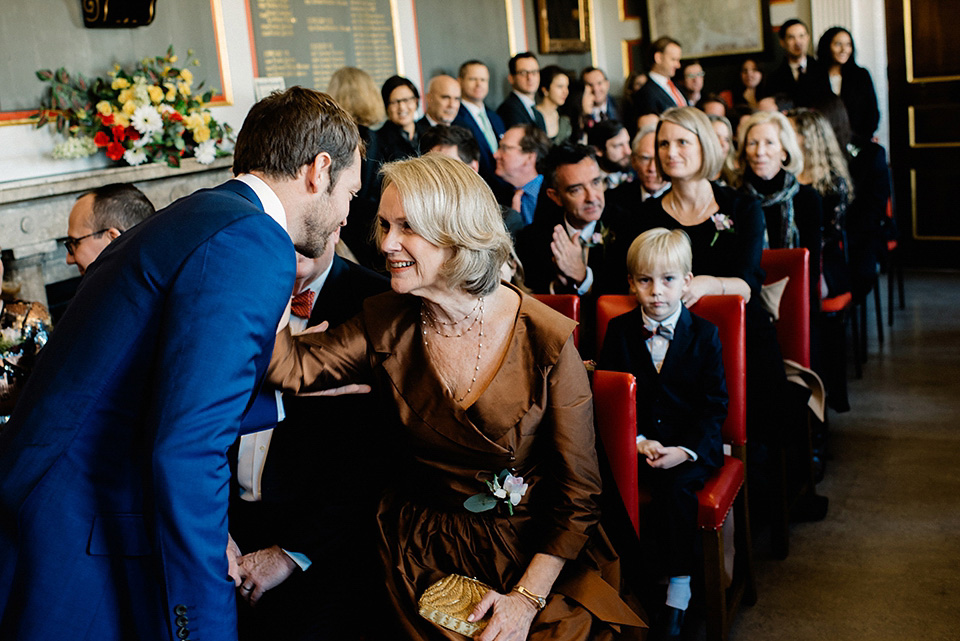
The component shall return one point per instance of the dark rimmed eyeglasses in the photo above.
(72, 243)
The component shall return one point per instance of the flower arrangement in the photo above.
(504, 488)
(721, 222)
(150, 113)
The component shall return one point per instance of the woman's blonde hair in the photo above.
(823, 160)
(356, 92)
(696, 122)
(660, 247)
(449, 205)
(788, 140)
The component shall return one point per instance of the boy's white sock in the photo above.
(678, 592)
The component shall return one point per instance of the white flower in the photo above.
(721, 222)
(206, 152)
(146, 120)
(135, 156)
(515, 487)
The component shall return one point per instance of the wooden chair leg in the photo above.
(899, 277)
(862, 319)
(715, 594)
(743, 547)
(851, 317)
(890, 290)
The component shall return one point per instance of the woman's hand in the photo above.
(669, 457)
(699, 287)
(512, 616)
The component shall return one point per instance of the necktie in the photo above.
(302, 304)
(677, 96)
(487, 129)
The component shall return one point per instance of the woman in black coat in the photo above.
(841, 75)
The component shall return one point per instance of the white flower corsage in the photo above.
(504, 488)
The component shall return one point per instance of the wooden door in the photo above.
(924, 76)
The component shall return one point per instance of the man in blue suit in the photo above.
(483, 123)
(519, 108)
(114, 491)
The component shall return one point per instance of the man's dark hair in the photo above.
(784, 101)
(712, 97)
(392, 83)
(512, 65)
(789, 23)
(534, 141)
(118, 205)
(469, 63)
(600, 133)
(565, 154)
(452, 135)
(659, 46)
(288, 129)
(587, 70)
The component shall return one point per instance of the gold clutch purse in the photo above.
(449, 602)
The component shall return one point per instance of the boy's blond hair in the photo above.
(660, 247)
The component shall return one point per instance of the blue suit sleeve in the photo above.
(218, 327)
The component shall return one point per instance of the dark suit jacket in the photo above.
(653, 99)
(803, 91)
(513, 112)
(685, 404)
(115, 476)
(858, 96)
(312, 449)
(488, 165)
(613, 113)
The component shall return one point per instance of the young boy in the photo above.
(681, 401)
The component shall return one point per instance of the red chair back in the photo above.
(615, 409)
(566, 304)
(728, 313)
(793, 328)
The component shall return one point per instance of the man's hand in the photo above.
(233, 557)
(264, 570)
(568, 255)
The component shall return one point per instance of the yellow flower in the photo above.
(171, 91)
(187, 76)
(104, 107)
(121, 119)
(125, 96)
(206, 117)
(129, 107)
(120, 83)
(184, 89)
(156, 93)
(201, 133)
(172, 58)
(193, 121)
(166, 69)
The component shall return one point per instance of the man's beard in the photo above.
(314, 233)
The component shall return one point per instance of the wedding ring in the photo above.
(246, 589)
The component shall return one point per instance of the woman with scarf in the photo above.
(771, 160)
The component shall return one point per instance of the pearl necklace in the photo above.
(424, 314)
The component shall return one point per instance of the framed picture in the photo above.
(630, 9)
(563, 26)
(735, 26)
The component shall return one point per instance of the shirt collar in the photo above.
(661, 81)
(474, 110)
(533, 187)
(526, 100)
(585, 233)
(268, 198)
(670, 321)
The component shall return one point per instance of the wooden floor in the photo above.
(885, 563)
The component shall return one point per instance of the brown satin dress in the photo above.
(535, 418)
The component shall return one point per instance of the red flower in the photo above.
(107, 120)
(100, 139)
(132, 133)
(115, 151)
(176, 116)
(118, 134)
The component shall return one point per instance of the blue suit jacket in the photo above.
(513, 112)
(684, 404)
(488, 165)
(113, 497)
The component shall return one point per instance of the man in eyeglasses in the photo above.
(100, 216)
(519, 108)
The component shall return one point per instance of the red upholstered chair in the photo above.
(793, 328)
(726, 489)
(566, 304)
(892, 260)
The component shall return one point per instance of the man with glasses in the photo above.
(519, 108)
(521, 150)
(99, 217)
